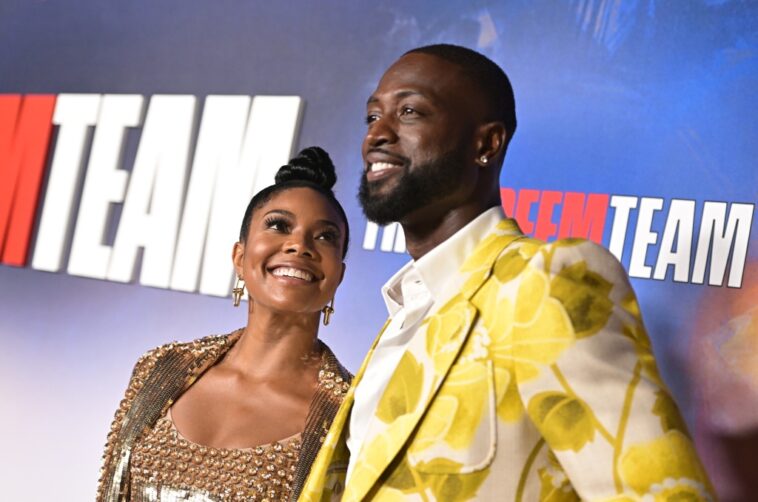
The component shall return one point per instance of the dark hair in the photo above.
(311, 168)
(483, 73)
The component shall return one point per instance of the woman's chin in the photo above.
(289, 307)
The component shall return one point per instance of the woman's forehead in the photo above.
(302, 202)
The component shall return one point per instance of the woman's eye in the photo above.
(328, 236)
(277, 224)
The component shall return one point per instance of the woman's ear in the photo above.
(238, 255)
(342, 276)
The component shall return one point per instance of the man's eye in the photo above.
(278, 224)
(371, 117)
(407, 110)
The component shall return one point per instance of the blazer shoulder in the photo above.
(554, 257)
(199, 347)
(121, 436)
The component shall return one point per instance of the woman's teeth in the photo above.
(293, 272)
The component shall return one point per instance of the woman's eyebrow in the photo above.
(329, 223)
(281, 211)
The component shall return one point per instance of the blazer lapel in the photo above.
(425, 364)
(176, 367)
(314, 484)
(406, 397)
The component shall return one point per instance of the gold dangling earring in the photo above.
(237, 292)
(328, 311)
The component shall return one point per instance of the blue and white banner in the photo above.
(132, 135)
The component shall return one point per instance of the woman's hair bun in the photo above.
(313, 165)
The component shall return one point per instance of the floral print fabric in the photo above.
(534, 380)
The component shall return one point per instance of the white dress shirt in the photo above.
(409, 296)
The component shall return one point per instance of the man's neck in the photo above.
(425, 232)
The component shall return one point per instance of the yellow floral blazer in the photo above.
(533, 379)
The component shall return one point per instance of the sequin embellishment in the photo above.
(158, 379)
(167, 466)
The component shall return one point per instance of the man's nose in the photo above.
(381, 131)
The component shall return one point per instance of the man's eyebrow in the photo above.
(398, 95)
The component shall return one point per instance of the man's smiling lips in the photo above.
(380, 170)
(380, 165)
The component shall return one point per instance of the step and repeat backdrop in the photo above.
(132, 135)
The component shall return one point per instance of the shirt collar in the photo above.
(392, 290)
(436, 266)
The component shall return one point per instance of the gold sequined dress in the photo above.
(147, 459)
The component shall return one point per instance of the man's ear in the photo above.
(238, 254)
(492, 138)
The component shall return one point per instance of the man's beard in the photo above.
(413, 190)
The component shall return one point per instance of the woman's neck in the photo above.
(275, 344)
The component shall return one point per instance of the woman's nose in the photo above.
(299, 244)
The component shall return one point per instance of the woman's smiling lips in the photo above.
(288, 273)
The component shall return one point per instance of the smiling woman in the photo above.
(242, 416)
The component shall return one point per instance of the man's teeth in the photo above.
(381, 166)
(293, 272)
